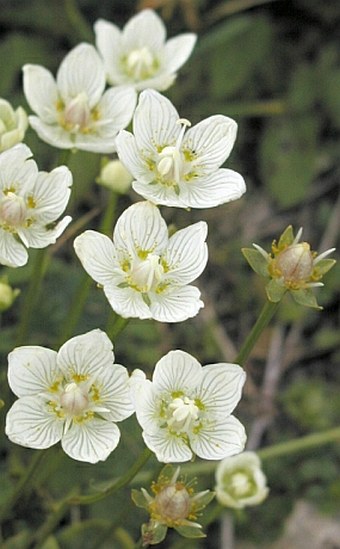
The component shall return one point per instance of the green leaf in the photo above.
(305, 297)
(51, 543)
(287, 237)
(275, 291)
(203, 500)
(288, 154)
(256, 261)
(192, 532)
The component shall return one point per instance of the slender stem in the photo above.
(23, 484)
(124, 480)
(31, 296)
(81, 295)
(300, 444)
(115, 325)
(77, 21)
(262, 322)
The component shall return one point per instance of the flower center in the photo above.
(74, 399)
(77, 114)
(170, 164)
(141, 64)
(183, 413)
(146, 273)
(12, 210)
(240, 484)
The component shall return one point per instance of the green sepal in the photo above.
(256, 260)
(306, 298)
(188, 531)
(146, 299)
(200, 501)
(153, 533)
(287, 238)
(275, 291)
(123, 285)
(176, 189)
(139, 499)
(323, 266)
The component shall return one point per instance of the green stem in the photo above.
(31, 296)
(124, 480)
(115, 326)
(22, 485)
(300, 444)
(82, 292)
(262, 322)
(77, 21)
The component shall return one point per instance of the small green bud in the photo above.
(7, 295)
(13, 125)
(115, 176)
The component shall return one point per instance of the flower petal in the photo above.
(12, 252)
(127, 302)
(220, 187)
(53, 134)
(98, 257)
(31, 423)
(129, 155)
(32, 370)
(41, 92)
(147, 403)
(177, 371)
(187, 253)
(108, 42)
(114, 390)
(146, 29)
(219, 439)
(155, 122)
(15, 168)
(86, 354)
(178, 50)
(221, 388)
(91, 440)
(160, 194)
(82, 70)
(211, 140)
(176, 304)
(161, 82)
(51, 193)
(168, 447)
(117, 107)
(141, 228)
(37, 236)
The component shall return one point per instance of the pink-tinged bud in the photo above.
(173, 503)
(77, 114)
(295, 263)
(12, 210)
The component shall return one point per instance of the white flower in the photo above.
(75, 395)
(13, 125)
(30, 203)
(186, 409)
(139, 55)
(176, 167)
(72, 111)
(144, 273)
(240, 481)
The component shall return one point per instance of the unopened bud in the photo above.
(295, 263)
(116, 177)
(173, 503)
(7, 296)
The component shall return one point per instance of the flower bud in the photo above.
(173, 503)
(7, 295)
(240, 481)
(13, 125)
(295, 264)
(116, 177)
